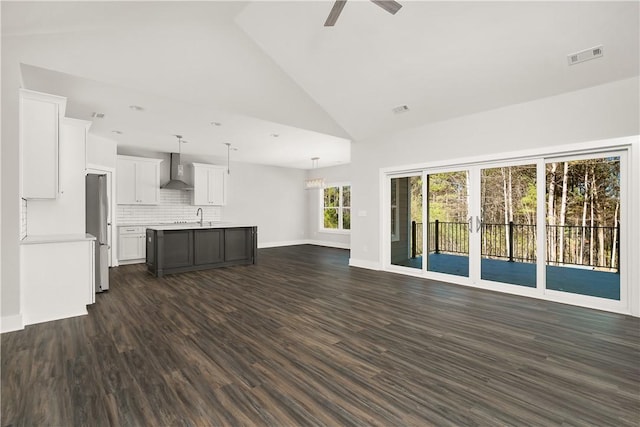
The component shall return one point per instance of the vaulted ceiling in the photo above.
(284, 88)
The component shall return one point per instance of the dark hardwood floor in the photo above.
(302, 339)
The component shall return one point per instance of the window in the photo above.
(336, 208)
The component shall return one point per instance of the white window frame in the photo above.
(395, 212)
(628, 148)
(340, 208)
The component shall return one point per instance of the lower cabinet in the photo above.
(178, 249)
(208, 246)
(237, 244)
(131, 247)
(175, 251)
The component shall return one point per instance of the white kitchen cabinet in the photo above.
(66, 213)
(138, 180)
(40, 115)
(131, 244)
(209, 185)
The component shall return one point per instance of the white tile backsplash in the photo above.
(175, 205)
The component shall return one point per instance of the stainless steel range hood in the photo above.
(176, 174)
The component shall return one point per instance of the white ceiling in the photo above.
(264, 68)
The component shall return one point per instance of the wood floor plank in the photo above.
(302, 339)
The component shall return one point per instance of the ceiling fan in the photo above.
(390, 6)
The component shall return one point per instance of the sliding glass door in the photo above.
(544, 227)
(406, 248)
(508, 224)
(583, 210)
(448, 222)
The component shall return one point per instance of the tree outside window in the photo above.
(336, 208)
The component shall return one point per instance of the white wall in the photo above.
(101, 151)
(332, 175)
(272, 198)
(597, 113)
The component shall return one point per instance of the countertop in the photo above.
(56, 238)
(197, 226)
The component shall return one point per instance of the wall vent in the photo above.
(96, 115)
(401, 109)
(585, 55)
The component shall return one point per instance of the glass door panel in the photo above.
(583, 226)
(448, 219)
(406, 221)
(508, 203)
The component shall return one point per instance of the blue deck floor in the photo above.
(568, 279)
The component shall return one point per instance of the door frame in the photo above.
(386, 250)
(629, 151)
(586, 300)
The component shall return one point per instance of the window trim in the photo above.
(395, 212)
(340, 209)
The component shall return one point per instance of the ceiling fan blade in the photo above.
(335, 12)
(390, 6)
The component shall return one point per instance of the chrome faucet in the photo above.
(199, 213)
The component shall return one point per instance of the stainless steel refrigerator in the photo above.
(97, 214)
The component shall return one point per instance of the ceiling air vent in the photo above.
(585, 55)
(401, 109)
(96, 115)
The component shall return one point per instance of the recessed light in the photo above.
(136, 108)
(275, 135)
(97, 115)
(216, 124)
(117, 132)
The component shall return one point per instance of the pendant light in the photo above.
(312, 183)
(229, 148)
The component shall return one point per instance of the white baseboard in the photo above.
(303, 242)
(284, 243)
(363, 263)
(131, 261)
(338, 245)
(49, 317)
(11, 323)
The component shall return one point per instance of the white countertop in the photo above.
(195, 226)
(56, 238)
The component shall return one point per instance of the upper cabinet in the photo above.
(138, 180)
(209, 185)
(40, 116)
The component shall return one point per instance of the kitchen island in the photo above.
(189, 247)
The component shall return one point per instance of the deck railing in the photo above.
(597, 247)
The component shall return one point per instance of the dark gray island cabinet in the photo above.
(176, 249)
